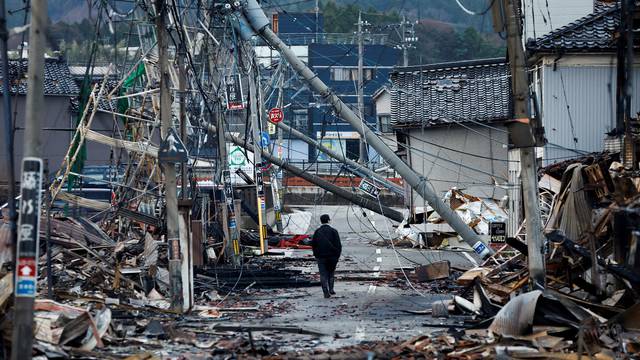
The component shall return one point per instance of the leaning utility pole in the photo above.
(254, 15)
(26, 270)
(182, 94)
(353, 165)
(232, 245)
(257, 153)
(363, 145)
(275, 187)
(526, 133)
(363, 201)
(625, 78)
(169, 168)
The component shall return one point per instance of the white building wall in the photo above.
(578, 101)
(472, 159)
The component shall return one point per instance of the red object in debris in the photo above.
(276, 115)
(294, 242)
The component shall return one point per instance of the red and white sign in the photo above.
(276, 115)
(26, 267)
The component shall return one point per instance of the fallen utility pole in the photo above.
(419, 183)
(169, 168)
(526, 134)
(26, 270)
(338, 156)
(372, 205)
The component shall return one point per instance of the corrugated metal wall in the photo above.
(590, 97)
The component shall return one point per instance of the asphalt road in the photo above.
(364, 309)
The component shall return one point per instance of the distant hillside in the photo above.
(445, 32)
(446, 11)
(72, 11)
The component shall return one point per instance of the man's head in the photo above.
(325, 219)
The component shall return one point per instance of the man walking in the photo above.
(326, 249)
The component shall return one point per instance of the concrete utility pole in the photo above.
(317, 11)
(26, 270)
(407, 39)
(405, 50)
(364, 155)
(8, 128)
(526, 134)
(257, 155)
(169, 169)
(419, 183)
(626, 35)
(182, 93)
(232, 245)
(185, 203)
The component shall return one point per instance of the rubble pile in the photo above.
(590, 304)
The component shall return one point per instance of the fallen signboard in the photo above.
(369, 188)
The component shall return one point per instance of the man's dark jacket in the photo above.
(326, 243)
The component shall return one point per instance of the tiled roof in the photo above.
(57, 78)
(594, 32)
(438, 94)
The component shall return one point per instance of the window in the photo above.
(352, 148)
(369, 109)
(384, 122)
(300, 120)
(344, 74)
(339, 74)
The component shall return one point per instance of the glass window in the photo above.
(340, 74)
(300, 120)
(384, 122)
(351, 74)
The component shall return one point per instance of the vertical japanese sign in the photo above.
(262, 207)
(233, 92)
(29, 227)
(233, 227)
(276, 201)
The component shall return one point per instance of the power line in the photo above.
(470, 12)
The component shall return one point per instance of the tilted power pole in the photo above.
(254, 109)
(169, 168)
(365, 202)
(8, 127)
(26, 270)
(364, 155)
(526, 133)
(260, 24)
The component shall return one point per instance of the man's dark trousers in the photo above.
(327, 268)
